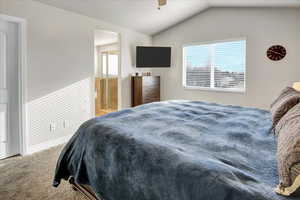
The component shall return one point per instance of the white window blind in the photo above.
(220, 66)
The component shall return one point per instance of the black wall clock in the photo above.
(276, 52)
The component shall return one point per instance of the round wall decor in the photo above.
(276, 52)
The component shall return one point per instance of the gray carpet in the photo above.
(30, 177)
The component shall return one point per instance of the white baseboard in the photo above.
(46, 145)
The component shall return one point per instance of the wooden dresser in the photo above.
(145, 89)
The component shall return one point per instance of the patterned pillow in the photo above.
(288, 152)
(287, 99)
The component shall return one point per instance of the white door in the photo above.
(9, 105)
(3, 97)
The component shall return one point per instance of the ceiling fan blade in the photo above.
(162, 2)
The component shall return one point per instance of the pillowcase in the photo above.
(287, 99)
(288, 152)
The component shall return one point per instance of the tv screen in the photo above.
(153, 56)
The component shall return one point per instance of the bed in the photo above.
(174, 150)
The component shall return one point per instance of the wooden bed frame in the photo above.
(84, 190)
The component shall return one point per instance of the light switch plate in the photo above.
(66, 124)
(52, 127)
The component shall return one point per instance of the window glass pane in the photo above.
(113, 65)
(198, 65)
(229, 64)
(216, 65)
(104, 64)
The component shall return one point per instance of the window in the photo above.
(215, 66)
(110, 61)
(104, 62)
(113, 64)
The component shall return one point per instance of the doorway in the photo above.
(107, 72)
(12, 66)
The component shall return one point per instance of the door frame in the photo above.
(22, 74)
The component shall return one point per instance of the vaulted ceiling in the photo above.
(143, 15)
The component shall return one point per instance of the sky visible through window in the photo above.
(228, 56)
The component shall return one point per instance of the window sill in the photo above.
(215, 89)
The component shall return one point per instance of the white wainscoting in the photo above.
(54, 118)
(48, 144)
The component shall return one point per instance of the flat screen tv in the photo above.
(153, 56)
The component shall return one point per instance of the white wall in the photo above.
(61, 53)
(108, 47)
(65, 109)
(263, 27)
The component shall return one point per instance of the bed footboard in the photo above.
(83, 190)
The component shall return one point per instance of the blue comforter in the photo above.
(175, 150)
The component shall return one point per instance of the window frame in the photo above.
(233, 90)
